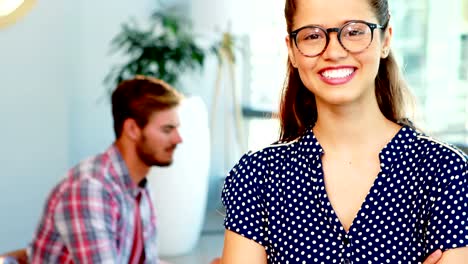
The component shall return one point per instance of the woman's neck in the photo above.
(353, 127)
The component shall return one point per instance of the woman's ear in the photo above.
(292, 59)
(131, 129)
(387, 40)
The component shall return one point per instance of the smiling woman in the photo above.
(12, 10)
(350, 179)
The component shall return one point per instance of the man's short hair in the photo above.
(139, 98)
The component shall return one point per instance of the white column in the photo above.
(210, 19)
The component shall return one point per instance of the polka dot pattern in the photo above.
(418, 203)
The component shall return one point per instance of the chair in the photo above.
(20, 255)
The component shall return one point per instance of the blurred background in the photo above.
(54, 111)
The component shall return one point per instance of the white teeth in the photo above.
(339, 73)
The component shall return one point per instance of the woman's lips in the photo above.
(337, 75)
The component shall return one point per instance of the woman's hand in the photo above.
(434, 257)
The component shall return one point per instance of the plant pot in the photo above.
(180, 190)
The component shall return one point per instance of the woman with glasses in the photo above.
(350, 180)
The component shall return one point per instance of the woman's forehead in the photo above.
(332, 13)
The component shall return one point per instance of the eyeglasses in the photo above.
(354, 36)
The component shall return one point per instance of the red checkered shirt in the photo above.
(89, 216)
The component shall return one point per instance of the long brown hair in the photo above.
(298, 110)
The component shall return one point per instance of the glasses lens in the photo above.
(311, 41)
(356, 36)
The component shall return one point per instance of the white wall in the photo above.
(35, 74)
(52, 64)
(90, 115)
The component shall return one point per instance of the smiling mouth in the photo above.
(337, 73)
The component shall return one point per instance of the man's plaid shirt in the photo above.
(89, 216)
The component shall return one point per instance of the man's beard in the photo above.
(147, 156)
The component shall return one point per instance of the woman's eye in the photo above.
(355, 33)
(312, 36)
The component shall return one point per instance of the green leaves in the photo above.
(165, 50)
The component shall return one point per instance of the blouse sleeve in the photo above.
(242, 198)
(448, 224)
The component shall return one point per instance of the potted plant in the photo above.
(166, 49)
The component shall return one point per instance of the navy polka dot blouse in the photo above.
(417, 204)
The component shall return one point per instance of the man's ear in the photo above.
(131, 129)
(289, 44)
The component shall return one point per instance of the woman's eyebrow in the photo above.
(325, 26)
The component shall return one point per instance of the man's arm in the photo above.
(85, 218)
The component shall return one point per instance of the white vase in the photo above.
(180, 190)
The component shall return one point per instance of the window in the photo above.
(268, 55)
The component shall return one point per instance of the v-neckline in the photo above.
(332, 216)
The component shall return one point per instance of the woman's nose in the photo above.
(334, 50)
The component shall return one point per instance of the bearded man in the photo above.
(102, 211)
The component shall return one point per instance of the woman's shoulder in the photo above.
(286, 146)
(258, 160)
(444, 162)
(440, 149)
(277, 146)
